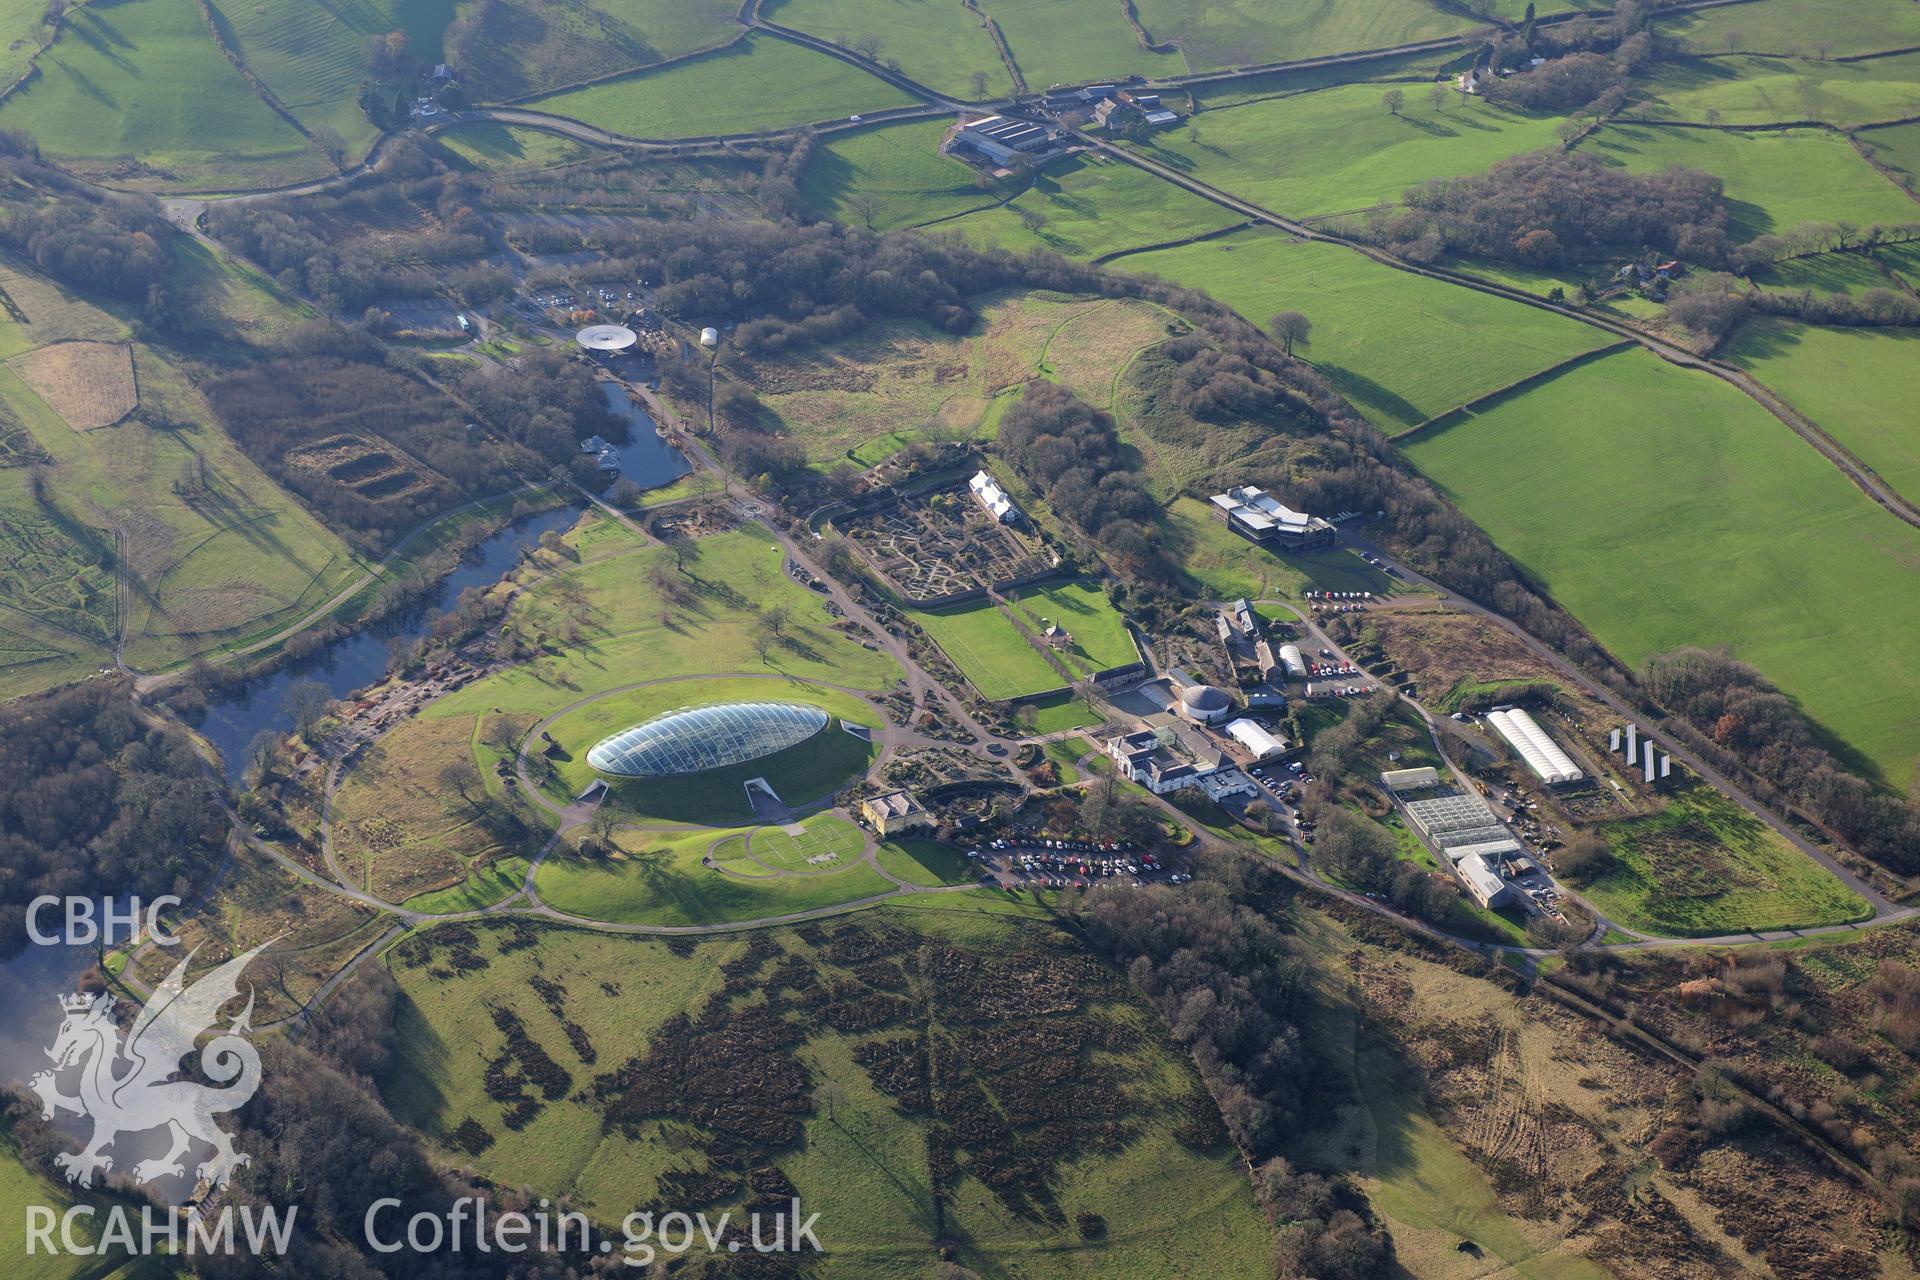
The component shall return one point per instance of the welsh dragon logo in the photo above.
(129, 1088)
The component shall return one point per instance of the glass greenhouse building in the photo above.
(696, 738)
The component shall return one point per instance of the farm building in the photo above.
(895, 812)
(1262, 744)
(1259, 517)
(1001, 140)
(1243, 617)
(990, 495)
(1528, 740)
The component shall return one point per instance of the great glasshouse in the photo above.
(693, 739)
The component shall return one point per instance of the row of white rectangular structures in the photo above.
(1640, 752)
(1542, 754)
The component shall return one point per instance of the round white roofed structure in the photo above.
(607, 339)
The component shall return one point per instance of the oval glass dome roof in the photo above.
(696, 738)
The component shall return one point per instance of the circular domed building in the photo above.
(1204, 704)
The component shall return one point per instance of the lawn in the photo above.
(486, 145)
(626, 631)
(1773, 179)
(1074, 41)
(1704, 866)
(19, 1188)
(1338, 149)
(940, 45)
(926, 862)
(660, 878)
(1799, 27)
(1402, 347)
(142, 80)
(1087, 206)
(729, 87)
(898, 170)
(1749, 90)
(799, 774)
(1859, 384)
(485, 886)
(1664, 508)
(983, 642)
(1101, 640)
(1058, 712)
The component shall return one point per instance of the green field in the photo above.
(1858, 384)
(19, 1187)
(1088, 206)
(142, 80)
(1850, 273)
(1100, 637)
(1401, 347)
(314, 57)
(627, 632)
(1898, 148)
(1748, 90)
(1338, 149)
(1074, 41)
(941, 46)
(485, 145)
(899, 170)
(1703, 866)
(1239, 33)
(660, 878)
(1773, 179)
(731, 88)
(1799, 27)
(798, 774)
(1664, 508)
(989, 650)
(529, 46)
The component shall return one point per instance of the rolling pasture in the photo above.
(729, 87)
(1075, 41)
(1799, 28)
(1773, 179)
(525, 46)
(1664, 508)
(1338, 149)
(313, 57)
(1858, 384)
(897, 176)
(1086, 206)
(1401, 347)
(942, 46)
(1241, 33)
(143, 81)
(1753, 90)
(1897, 147)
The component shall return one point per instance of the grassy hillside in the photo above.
(942, 46)
(518, 47)
(899, 171)
(314, 57)
(1238, 33)
(1088, 206)
(727, 92)
(1402, 348)
(821, 1076)
(1337, 149)
(1773, 179)
(1799, 27)
(1859, 384)
(1075, 41)
(139, 90)
(1664, 508)
(503, 146)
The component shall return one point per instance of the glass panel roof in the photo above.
(696, 738)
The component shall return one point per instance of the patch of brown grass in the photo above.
(89, 384)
